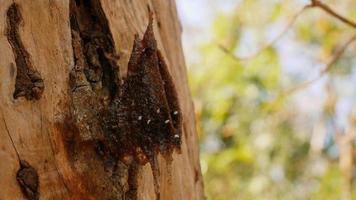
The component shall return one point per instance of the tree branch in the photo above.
(327, 9)
(313, 4)
(268, 45)
(327, 67)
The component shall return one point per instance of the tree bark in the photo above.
(44, 152)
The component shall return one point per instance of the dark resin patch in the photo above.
(27, 178)
(131, 122)
(145, 118)
(93, 84)
(29, 83)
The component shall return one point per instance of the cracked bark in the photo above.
(38, 129)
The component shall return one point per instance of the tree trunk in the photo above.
(70, 123)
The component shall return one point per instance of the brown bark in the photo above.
(42, 151)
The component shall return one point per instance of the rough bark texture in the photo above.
(45, 151)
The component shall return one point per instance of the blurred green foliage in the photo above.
(255, 141)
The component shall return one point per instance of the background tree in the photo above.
(274, 89)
